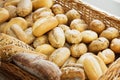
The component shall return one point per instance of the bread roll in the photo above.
(56, 37)
(59, 56)
(97, 26)
(107, 55)
(88, 36)
(12, 11)
(42, 12)
(62, 18)
(78, 49)
(4, 15)
(73, 73)
(43, 69)
(94, 67)
(73, 36)
(43, 25)
(64, 27)
(110, 33)
(17, 20)
(78, 24)
(72, 14)
(115, 45)
(99, 44)
(46, 49)
(57, 9)
(42, 3)
(40, 40)
(24, 8)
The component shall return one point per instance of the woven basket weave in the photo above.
(88, 14)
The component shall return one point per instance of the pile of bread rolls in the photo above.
(53, 44)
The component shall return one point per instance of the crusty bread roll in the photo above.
(107, 55)
(4, 15)
(42, 3)
(24, 8)
(94, 67)
(97, 26)
(78, 49)
(57, 9)
(78, 24)
(60, 55)
(43, 25)
(12, 11)
(17, 20)
(40, 40)
(46, 49)
(73, 36)
(6, 52)
(43, 69)
(110, 33)
(42, 12)
(62, 18)
(56, 37)
(72, 14)
(6, 40)
(64, 27)
(73, 72)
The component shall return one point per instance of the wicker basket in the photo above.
(88, 14)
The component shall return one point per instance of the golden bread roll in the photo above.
(107, 55)
(46, 49)
(72, 14)
(78, 49)
(17, 20)
(82, 57)
(24, 8)
(60, 55)
(99, 44)
(70, 60)
(42, 3)
(97, 26)
(40, 40)
(12, 11)
(56, 37)
(11, 2)
(25, 36)
(2, 2)
(73, 36)
(42, 69)
(64, 27)
(4, 15)
(37, 13)
(94, 67)
(115, 45)
(62, 18)
(110, 33)
(78, 24)
(43, 25)
(73, 72)
(57, 9)
(88, 36)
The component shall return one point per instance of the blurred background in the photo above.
(110, 6)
